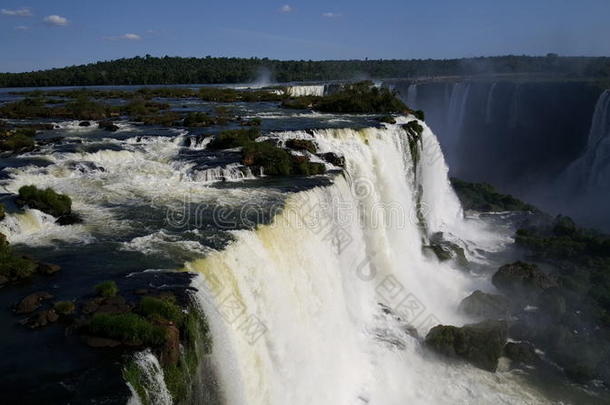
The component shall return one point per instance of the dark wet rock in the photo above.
(48, 268)
(141, 291)
(302, 145)
(170, 353)
(520, 277)
(445, 250)
(3, 280)
(481, 344)
(69, 219)
(50, 141)
(107, 305)
(485, 306)
(32, 302)
(41, 319)
(84, 124)
(99, 342)
(521, 353)
(108, 126)
(333, 159)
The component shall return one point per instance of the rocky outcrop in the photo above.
(522, 278)
(108, 126)
(32, 302)
(521, 353)
(480, 344)
(485, 306)
(302, 145)
(333, 159)
(446, 250)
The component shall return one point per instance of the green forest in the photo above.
(211, 70)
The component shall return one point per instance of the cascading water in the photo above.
(301, 91)
(412, 96)
(590, 173)
(489, 103)
(455, 120)
(294, 306)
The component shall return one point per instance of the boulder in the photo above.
(521, 353)
(485, 306)
(84, 124)
(302, 145)
(47, 268)
(333, 159)
(480, 344)
(41, 318)
(446, 250)
(108, 126)
(32, 302)
(524, 278)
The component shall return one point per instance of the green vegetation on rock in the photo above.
(107, 289)
(129, 327)
(483, 197)
(45, 200)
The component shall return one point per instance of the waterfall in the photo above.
(294, 306)
(148, 376)
(455, 120)
(301, 91)
(488, 106)
(515, 106)
(590, 173)
(412, 96)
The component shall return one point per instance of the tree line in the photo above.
(149, 70)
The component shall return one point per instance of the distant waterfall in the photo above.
(301, 91)
(590, 173)
(456, 116)
(489, 104)
(412, 96)
(313, 281)
(515, 106)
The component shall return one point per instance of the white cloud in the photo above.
(286, 8)
(19, 12)
(56, 20)
(331, 15)
(22, 28)
(127, 37)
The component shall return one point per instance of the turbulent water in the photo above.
(317, 290)
(295, 305)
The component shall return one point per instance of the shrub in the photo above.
(361, 97)
(273, 160)
(151, 306)
(15, 267)
(17, 142)
(64, 307)
(129, 328)
(234, 138)
(45, 200)
(107, 289)
(483, 197)
(199, 119)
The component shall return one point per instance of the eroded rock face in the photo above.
(32, 302)
(524, 278)
(485, 306)
(480, 344)
(521, 353)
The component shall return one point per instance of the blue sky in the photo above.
(38, 34)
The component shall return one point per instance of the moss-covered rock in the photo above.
(46, 200)
(128, 328)
(234, 138)
(483, 197)
(273, 160)
(480, 344)
(107, 289)
(302, 145)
